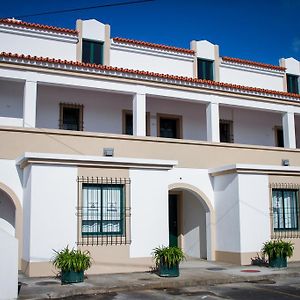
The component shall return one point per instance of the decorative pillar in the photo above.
(29, 104)
(139, 114)
(212, 122)
(288, 125)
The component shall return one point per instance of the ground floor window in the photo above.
(285, 211)
(103, 211)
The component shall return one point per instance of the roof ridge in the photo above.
(254, 63)
(147, 73)
(153, 45)
(38, 26)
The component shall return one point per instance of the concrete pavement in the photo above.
(192, 273)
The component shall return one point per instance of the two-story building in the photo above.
(118, 146)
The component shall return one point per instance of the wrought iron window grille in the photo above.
(284, 217)
(103, 211)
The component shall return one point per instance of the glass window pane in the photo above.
(92, 52)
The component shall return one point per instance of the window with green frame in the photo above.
(92, 52)
(205, 69)
(285, 209)
(103, 209)
(292, 83)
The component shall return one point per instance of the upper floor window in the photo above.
(169, 126)
(71, 116)
(226, 131)
(279, 142)
(292, 84)
(128, 122)
(92, 52)
(205, 69)
(285, 209)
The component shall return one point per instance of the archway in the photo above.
(11, 215)
(194, 218)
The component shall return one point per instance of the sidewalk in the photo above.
(192, 273)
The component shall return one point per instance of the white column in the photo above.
(212, 122)
(29, 103)
(288, 124)
(139, 114)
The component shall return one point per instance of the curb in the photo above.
(166, 283)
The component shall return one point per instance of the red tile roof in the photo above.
(37, 26)
(252, 63)
(152, 74)
(152, 45)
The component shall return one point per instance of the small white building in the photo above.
(118, 146)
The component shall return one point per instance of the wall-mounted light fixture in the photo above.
(285, 162)
(108, 151)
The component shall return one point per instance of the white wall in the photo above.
(252, 126)
(52, 221)
(227, 213)
(102, 112)
(254, 211)
(149, 211)
(193, 116)
(9, 266)
(46, 45)
(194, 226)
(93, 30)
(11, 176)
(151, 60)
(11, 99)
(250, 77)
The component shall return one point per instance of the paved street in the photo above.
(288, 288)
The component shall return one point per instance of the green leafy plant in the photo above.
(169, 256)
(72, 260)
(278, 248)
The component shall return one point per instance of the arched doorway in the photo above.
(7, 213)
(11, 215)
(191, 221)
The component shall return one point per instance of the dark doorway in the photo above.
(173, 222)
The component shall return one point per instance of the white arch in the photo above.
(210, 213)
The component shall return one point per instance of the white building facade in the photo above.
(118, 146)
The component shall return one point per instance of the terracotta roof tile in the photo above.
(252, 63)
(37, 26)
(146, 73)
(152, 45)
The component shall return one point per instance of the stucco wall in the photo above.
(11, 103)
(51, 221)
(252, 127)
(251, 77)
(41, 45)
(227, 213)
(102, 112)
(254, 211)
(149, 212)
(194, 226)
(152, 61)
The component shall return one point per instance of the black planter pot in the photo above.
(71, 277)
(278, 262)
(166, 271)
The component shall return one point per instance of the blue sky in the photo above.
(264, 30)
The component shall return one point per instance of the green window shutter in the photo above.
(92, 52)
(292, 84)
(205, 69)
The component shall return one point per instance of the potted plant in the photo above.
(278, 251)
(72, 264)
(167, 260)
